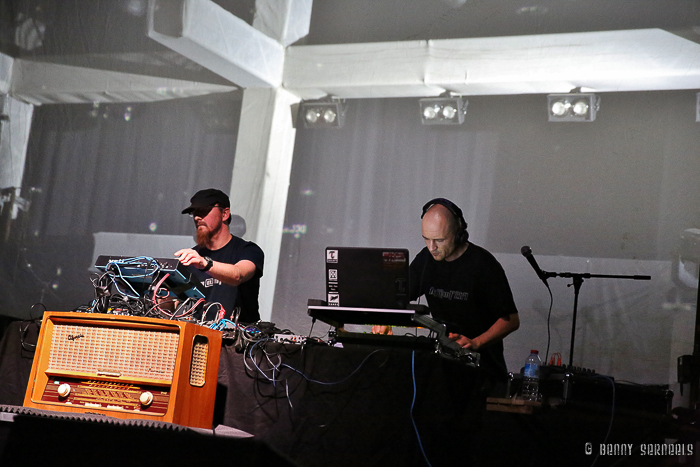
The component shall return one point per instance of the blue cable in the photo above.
(250, 355)
(221, 324)
(129, 261)
(336, 382)
(126, 294)
(138, 259)
(276, 367)
(413, 402)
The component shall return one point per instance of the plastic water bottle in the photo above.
(531, 377)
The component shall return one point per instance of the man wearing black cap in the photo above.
(228, 267)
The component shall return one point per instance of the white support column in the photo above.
(6, 65)
(286, 21)
(15, 123)
(209, 35)
(261, 172)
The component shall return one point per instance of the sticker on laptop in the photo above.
(393, 257)
(331, 256)
(333, 299)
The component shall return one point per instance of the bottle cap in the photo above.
(535, 351)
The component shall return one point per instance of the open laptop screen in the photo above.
(367, 277)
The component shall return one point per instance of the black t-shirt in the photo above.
(244, 295)
(468, 294)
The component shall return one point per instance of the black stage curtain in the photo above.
(352, 406)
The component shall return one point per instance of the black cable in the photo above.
(549, 331)
(23, 335)
(313, 322)
(23, 332)
(612, 413)
(32, 309)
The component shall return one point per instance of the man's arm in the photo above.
(231, 274)
(499, 330)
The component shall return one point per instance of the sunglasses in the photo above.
(202, 212)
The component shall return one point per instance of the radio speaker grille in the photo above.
(198, 370)
(133, 353)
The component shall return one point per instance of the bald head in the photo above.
(440, 214)
(439, 227)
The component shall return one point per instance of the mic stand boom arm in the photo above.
(578, 281)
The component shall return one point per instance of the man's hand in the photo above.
(500, 329)
(231, 274)
(190, 257)
(386, 330)
(464, 341)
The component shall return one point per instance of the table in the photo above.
(319, 405)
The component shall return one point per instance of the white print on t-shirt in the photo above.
(210, 282)
(448, 294)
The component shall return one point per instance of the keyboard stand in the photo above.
(338, 316)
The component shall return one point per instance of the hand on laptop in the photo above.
(386, 330)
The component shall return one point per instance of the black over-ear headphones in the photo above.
(462, 235)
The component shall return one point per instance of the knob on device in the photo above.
(146, 398)
(64, 390)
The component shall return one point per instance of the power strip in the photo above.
(290, 339)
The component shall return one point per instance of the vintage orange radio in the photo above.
(125, 367)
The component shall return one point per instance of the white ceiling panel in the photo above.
(608, 61)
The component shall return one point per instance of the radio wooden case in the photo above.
(125, 367)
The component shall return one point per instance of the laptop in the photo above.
(367, 277)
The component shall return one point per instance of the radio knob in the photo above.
(146, 398)
(64, 390)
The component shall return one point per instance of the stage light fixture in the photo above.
(573, 107)
(323, 113)
(443, 110)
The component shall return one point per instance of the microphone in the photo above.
(527, 253)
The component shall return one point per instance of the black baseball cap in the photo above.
(208, 198)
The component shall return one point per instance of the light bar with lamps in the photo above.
(323, 113)
(572, 107)
(443, 110)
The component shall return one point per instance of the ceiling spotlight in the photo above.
(580, 108)
(449, 112)
(312, 116)
(430, 112)
(443, 110)
(329, 116)
(323, 113)
(560, 108)
(573, 107)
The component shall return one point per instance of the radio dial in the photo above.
(64, 390)
(146, 398)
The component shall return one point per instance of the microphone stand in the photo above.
(578, 281)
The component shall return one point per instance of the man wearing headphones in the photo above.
(465, 286)
(466, 289)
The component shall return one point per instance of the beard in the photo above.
(203, 236)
